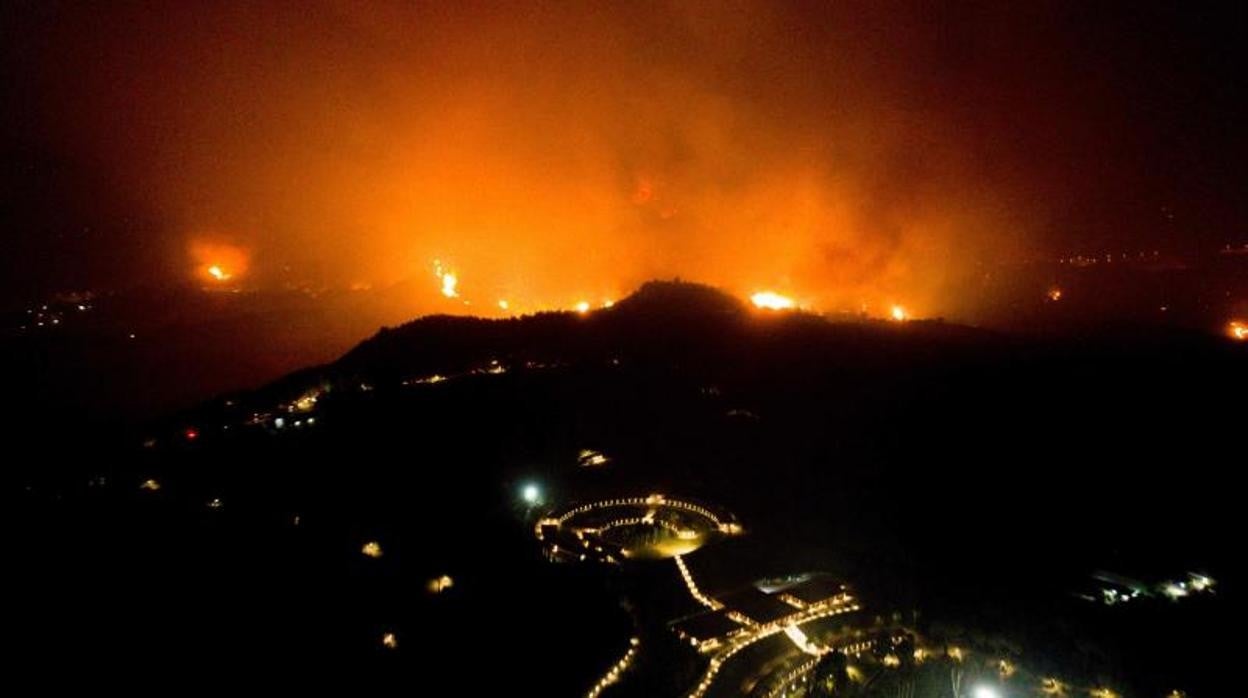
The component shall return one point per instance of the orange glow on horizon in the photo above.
(1238, 330)
(899, 314)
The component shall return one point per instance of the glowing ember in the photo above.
(772, 301)
(372, 549)
(582, 307)
(216, 272)
(1238, 330)
(1055, 294)
(390, 641)
(899, 314)
(151, 485)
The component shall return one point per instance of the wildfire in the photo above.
(1238, 330)
(448, 278)
(504, 305)
(772, 301)
(217, 263)
(1055, 294)
(899, 314)
(582, 307)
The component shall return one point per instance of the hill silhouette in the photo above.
(906, 457)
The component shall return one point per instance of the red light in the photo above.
(191, 434)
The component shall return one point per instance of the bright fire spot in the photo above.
(1238, 330)
(390, 641)
(448, 278)
(151, 485)
(371, 549)
(772, 301)
(608, 303)
(504, 305)
(218, 263)
(582, 307)
(899, 313)
(1055, 294)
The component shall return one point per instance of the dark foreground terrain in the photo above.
(977, 478)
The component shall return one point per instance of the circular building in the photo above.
(632, 528)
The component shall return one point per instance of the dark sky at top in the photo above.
(345, 141)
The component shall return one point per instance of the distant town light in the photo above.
(531, 493)
(589, 458)
(1175, 591)
(372, 549)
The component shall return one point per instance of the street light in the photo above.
(531, 494)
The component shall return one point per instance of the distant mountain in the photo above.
(670, 321)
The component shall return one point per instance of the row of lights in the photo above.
(693, 586)
(613, 674)
(816, 611)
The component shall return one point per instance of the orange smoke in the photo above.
(554, 154)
